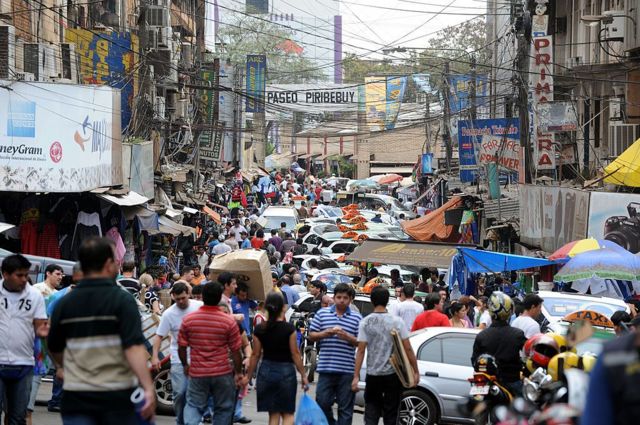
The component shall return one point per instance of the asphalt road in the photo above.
(42, 417)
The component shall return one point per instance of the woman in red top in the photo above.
(258, 239)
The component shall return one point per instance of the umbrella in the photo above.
(625, 170)
(362, 184)
(574, 248)
(604, 263)
(390, 178)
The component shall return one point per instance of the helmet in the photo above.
(561, 362)
(588, 361)
(486, 363)
(528, 346)
(562, 342)
(500, 306)
(541, 348)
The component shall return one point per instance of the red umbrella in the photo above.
(390, 178)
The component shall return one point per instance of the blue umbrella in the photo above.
(604, 263)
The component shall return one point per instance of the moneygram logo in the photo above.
(21, 121)
(55, 152)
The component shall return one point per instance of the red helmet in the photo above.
(543, 349)
(528, 346)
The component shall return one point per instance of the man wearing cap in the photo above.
(526, 322)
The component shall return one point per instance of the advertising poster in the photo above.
(470, 136)
(207, 98)
(226, 106)
(616, 217)
(45, 149)
(256, 77)
(427, 163)
(502, 150)
(557, 116)
(459, 85)
(552, 216)
(396, 87)
(108, 58)
(376, 102)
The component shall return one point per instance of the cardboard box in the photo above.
(250, 266)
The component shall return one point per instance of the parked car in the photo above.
(444, 362)
(373, 201)
(558, 304)
(273, 216)
(39, 264)
(362, 303)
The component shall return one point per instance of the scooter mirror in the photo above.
(579, 331)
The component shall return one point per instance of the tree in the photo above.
(356, 69)
(286, 64)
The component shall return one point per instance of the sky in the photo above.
(371, 24)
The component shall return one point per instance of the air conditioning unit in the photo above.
(615, 109)
(5, 8)
(575, 61)
(7, 51)
(186, 54)
(69, 62)
(164, 37)
(158, 16)
(614, 27)
(621, 136)
(152, 39)
(25, 76)
(182, 109)
(34, 54)
(159, 108)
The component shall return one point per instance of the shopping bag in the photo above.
(309, 413)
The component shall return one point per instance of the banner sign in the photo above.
(207, 98)
(422, 82)
(541, 85)
(256, 82)
(616, 216)
(53, 140)
(376, 102)
(226, 106)
(501, 150)
(396, 87)
(460, 85)
(108, 58)
(557, 116)
(427, 163)
(552, 216)
(470, 136)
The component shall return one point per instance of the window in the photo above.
(343, 248)
(431, 351)
(312, 239)
(457, 350)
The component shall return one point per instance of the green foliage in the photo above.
(356, 69)
(249, 35)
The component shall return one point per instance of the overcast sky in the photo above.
(370, 24)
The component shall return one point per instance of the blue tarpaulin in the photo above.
(478, 261)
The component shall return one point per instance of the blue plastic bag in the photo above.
(309, 413)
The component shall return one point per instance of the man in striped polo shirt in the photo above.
(211, 334)
(336, 329)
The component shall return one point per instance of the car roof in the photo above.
(277, 210)
(583, 297)
(426, 333)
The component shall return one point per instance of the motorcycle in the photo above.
(308, 349)
(486, 393)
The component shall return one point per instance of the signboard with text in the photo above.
(541, 86)
(502, 150)
(256, 77)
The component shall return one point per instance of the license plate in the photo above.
(479, 390)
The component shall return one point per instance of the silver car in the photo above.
(444, 360)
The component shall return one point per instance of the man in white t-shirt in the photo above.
(170, 323)
(532, 304)
(407, 309)
(23, 316)
(53, 275)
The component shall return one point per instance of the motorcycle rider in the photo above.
(503, 342)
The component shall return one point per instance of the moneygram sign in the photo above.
(46, 148)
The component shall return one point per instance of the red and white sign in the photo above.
(541, 84)
(501, 150)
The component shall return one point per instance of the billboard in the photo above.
(502, 150)
(459, 86)
(396, 87)
(552, 216)
(616, 216)
(557, 116)
(53, 140)
(317, 97)
(109, 58)
(376, 102)
(541, 87)
(256, 82)
(226, 107)
(470, 134)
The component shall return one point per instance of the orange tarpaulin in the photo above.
(214, 215)
(431, 227)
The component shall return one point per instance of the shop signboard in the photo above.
(459, 86)
(557, 116)
(504, 151)
(541, 86)
(111, 58)
(207, 99)
(226, 107)
(48, 148)
(552, 216)
(616, 216)
(470, 136)
(256, 77)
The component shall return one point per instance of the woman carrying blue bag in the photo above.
(276, 385)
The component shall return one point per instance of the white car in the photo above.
(556, 305)
(362, 303)
(273, 216)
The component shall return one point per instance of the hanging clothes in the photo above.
(29, 220)
(87, 225)
(114, 235)
(48, 244)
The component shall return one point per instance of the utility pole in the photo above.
(427, 124)
(446, 133)
(522, 79)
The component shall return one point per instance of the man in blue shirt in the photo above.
(336, 329)
(241, 304)
(292, 295)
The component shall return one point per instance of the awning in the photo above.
(211, 213)
(131, 199)
(477, 261)
(390, 170)
(6, 226)
(432, 226)
(309, 155)
(404, 253)
(625, 170)
(173, 228)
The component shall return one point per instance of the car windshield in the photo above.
(560, 307)
(273, 222)
(327, 211)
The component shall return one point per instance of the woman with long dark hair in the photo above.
(275, 341)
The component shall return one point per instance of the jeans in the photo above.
(382, 398)
(179, 386)
(15, 388)
(35, 386)
(336, 387)
(237, 414)
(56, 392)
(102, 418)
(223, 390)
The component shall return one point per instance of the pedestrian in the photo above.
(336, 330)
(275, 342)
(258, 239)
(459, 317)
(151, 299)
(222, 247)
(526, 321)
(53, 276)
(187, 275)
(229, 285)
(198, 277)
(407, 309)
(128, 279)
(275, 239)
(283, 230)
(382, 385)
(241, 304)
(22, 319)
(245, 243)
(433, 316)
(98, 347)
(170, 323)
(208, 368)
(482, 318)
(291, 294)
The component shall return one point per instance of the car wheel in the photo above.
(417, 408)
(164, 391)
